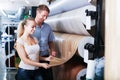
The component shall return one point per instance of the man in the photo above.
(46, 38)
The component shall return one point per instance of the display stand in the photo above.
(7, 47)
(94, 49)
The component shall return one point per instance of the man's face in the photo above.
(41, 16)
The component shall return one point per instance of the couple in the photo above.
(34, 38)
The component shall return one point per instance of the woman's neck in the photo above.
(26, 36)
(28, 39)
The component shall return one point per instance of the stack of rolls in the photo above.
(70, 38)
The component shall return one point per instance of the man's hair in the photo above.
(43, 7)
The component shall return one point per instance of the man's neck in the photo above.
(40, 25)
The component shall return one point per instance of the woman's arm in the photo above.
(46, 58)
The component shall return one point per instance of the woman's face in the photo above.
(30, 27)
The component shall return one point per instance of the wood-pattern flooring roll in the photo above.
(67, 45)
(70, 70)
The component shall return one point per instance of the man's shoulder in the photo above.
(47, 25)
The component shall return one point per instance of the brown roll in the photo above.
(66, 46)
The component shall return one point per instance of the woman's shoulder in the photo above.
(20, 40)
(36, 40)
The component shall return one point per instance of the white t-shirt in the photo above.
(32, 52)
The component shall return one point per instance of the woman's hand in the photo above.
(49, 58)
(45, 65)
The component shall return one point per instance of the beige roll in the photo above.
(66, 46)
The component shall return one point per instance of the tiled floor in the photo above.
(11, 74)
(8, 75)
(5, 74)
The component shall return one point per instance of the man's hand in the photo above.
(53, 53)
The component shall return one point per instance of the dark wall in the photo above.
(33, 11)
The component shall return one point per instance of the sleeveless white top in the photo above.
(32, 52)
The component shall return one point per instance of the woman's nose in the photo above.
(34, 28)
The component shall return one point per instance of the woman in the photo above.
(28, 50)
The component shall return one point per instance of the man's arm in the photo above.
(52, 48)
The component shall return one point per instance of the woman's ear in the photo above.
(25, 26)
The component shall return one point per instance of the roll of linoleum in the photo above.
(73, 22)
(66, 46)
(59, 6)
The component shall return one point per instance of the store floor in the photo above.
(8, 75)
(11, 74)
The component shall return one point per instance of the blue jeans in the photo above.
(23, 74)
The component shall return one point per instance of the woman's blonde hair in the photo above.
(20, 29)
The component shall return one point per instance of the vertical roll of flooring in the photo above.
(112, 40)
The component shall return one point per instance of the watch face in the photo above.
(81, 75)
